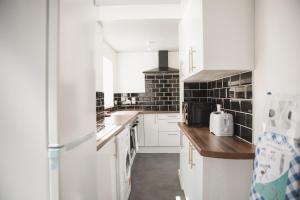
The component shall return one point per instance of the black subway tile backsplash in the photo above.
(234, 93)
(162, 94)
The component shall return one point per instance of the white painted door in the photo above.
(151, 130)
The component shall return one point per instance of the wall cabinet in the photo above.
(216, 38)
(204, 178)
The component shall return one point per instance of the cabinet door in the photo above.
(184, 163)
(106, 171)
(195, 175)
(141, 132)
(151, 130)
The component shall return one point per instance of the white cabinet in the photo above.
(151, 130)
(106, 171)
(216, 38)
(204, 178)
(141, 132)
(190, 170)
(161, 130)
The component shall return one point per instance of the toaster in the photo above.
(221, 123)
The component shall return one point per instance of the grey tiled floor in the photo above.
(155, 177)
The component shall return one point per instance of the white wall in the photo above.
(277, 49)
(103, 49)
(130, 67)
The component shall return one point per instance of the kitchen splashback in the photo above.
(234, 93)
(161, 94)
(99, 107)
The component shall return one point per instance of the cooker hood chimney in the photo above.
(163, 64)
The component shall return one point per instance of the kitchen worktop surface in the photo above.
(117, 122)
(209, 145)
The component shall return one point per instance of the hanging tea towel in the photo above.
(277, 162)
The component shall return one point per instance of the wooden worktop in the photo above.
(209, 145)
(120, 120)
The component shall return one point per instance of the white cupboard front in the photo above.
(106, 171)
(216, 36)
(151, 130)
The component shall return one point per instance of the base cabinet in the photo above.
(106, 172)
(161, 130)
(204, 178)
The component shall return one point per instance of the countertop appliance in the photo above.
(54, 151)
(196, 113)
(221, 123)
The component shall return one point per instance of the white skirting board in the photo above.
(159, 150)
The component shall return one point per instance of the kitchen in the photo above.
(161, 99)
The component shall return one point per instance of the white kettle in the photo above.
(221, 123)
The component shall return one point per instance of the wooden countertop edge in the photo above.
(106, 138)
(215, 154)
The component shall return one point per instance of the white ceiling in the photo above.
(134, 35)
(135, 2)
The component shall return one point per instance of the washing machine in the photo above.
(123, 164)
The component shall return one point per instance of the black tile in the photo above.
(175, 94)
(223, 93)
(246, 106)
(226, 82)
(246, 134)
(210, 93)
(168, 76)
(203, 93)
(213, 84)
(240, 92)
(235, 105)
(249, 92)
(220, 101)
(196, 93)
(175, 85)
(226, 103)
(162, 98)
(172, 108)
(159, 76)
(231, 93)
(216, 93)
(246, 78)
(167, 85)
(237, 130)
(219, 83)
(203, 85)
(163, 90)
(163, 81)
(203, 100)
(235, 80)
(191, 85)
(209, 85)
(150, 77)
(173, 89)
(240, 118)
(249, 121)
(168, 94)
(164, 108)
(175, 76)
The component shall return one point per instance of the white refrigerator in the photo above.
(48, 118)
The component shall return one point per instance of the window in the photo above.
(108, 83)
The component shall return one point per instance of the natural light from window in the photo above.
(108, 83)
